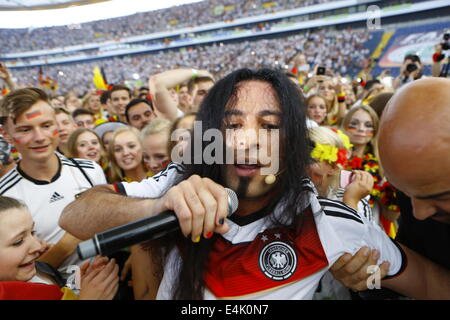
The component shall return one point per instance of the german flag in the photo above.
(99, 79)
(47, 82)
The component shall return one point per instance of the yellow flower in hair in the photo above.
(345, 139)
(324, 152)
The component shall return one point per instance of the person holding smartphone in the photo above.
(331, 148)
(331, 151)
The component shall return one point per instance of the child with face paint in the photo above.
(330, 155)
(361, 125)
(20, 269)
(45, 180)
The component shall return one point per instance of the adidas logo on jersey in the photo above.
(55, 197)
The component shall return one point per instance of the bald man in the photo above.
(414, 147)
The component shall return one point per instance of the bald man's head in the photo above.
(414, 145)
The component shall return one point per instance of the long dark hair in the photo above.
(189, 283)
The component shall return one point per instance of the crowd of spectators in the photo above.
(81, 160)
(334, 48)
(189, 15)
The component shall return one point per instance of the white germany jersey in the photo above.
(254, 260)
(46, 200)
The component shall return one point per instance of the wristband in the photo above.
(341, 97)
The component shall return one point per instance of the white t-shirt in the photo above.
(47, 200)
(256, 261)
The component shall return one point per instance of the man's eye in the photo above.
(270, 126)
(232, 125)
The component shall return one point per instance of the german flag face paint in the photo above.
(33, 114)
(17, 140)
(34, 133)
(361, 128)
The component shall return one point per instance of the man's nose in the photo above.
(247, 137)
(39, 134)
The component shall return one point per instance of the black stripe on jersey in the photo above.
(367, 210)
(120, 188)
(82, 166)
(164, 173)
(80, 161)
(339, 205)
(84, 162)
(342, 215)
(88, 162)
(7, 187)
(404, 261)
(7, 178)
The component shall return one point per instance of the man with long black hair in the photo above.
(283, 237)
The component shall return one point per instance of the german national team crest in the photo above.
(278, 260)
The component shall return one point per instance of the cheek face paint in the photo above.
(17, 140)
(55, 132)
(33, 114)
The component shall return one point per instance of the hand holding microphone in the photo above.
(196, 206)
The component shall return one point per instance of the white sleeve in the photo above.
(153, 187)
(343, 230)
(98, 176)
(376, 238)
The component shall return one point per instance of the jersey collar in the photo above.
(41, 182)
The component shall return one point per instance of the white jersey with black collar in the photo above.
(255, 260)
(46, 200)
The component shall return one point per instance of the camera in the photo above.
(321, 71)
(411, 67)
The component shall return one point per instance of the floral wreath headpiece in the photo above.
(332, 154)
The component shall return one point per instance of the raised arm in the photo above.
(102, 208)
(5, 75)
(161, 83)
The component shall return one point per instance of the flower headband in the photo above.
(332, 154)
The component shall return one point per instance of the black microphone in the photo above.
(139, 231)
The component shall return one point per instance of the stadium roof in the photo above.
(47, 13)
(42, 4)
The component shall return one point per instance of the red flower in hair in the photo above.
(342, 157)
(355, 163)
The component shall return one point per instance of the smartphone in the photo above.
(321, 71)
(345, 178)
